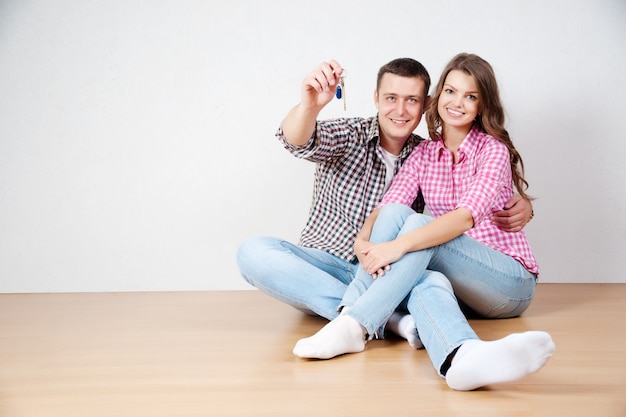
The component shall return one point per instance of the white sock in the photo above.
(342, 335)
(403, 325)
(478, 363)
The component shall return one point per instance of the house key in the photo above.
(340, 93)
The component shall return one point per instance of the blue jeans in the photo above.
(490, 283)
(308, 279)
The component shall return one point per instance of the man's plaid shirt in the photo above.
(349, 181)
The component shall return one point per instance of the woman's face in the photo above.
(459, 101)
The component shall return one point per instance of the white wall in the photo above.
(137, 141)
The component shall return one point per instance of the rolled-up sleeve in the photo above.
(492, 173)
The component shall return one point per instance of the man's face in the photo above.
(400, 103)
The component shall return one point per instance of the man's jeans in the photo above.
(310, 280)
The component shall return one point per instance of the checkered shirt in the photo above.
(480, 182)
(349, 181)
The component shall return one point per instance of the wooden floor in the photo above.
(228, 353)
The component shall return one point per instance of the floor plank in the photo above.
(228, 353)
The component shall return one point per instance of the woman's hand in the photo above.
(376, 259)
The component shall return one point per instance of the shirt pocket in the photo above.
(463, 183)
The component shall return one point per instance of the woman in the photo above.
(466, 172)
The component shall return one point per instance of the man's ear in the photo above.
(376, 98)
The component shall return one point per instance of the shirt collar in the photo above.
(412, 141)
(471, 141)
(467, 146)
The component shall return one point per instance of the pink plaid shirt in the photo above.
(480, 181)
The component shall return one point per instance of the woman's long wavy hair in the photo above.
(491, 115)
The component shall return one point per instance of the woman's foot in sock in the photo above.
(341, 335)
(403, 325)
(478, 363)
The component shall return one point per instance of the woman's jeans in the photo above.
(490, 283)
(308, 279)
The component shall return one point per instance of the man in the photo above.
(355, 159)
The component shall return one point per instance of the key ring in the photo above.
(340, 93)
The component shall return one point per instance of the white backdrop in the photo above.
(137, 143)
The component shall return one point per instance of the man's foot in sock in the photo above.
(403, 325)
(341, 335)
(478, 363)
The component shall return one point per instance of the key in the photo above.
(340, 93)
